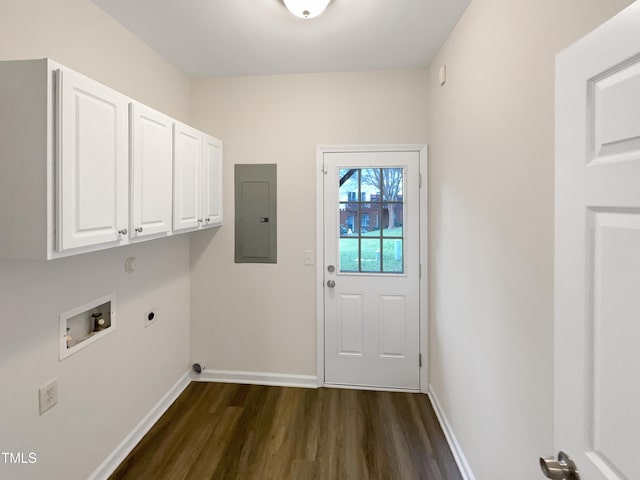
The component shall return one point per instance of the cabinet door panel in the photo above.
(151, 171)
(91, 162)
(212, 182)
(187, 164)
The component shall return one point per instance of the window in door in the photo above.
(375, 243)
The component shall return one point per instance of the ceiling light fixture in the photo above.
(306, 8)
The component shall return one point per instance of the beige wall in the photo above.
(79, 35)
(262, 318)
(105, 389)
(491, 139)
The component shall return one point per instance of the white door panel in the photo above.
(614, 357)
(92, 162)
(372, 334)
(151, 172)
(350, 329)
(393, 327)
(598, 250)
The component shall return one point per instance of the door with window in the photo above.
(371, 269)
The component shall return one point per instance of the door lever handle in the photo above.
(564, 468)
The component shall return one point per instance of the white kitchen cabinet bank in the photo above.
(84, 168)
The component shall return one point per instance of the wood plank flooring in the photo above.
(248, 432)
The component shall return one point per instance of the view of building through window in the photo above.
(371, 220)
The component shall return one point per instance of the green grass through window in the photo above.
(370, 254)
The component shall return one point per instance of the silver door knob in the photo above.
(564, 468)
(331, 283)
(123, 231)
(139, 229)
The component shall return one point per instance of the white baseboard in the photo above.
(256, 378)
(458, 455)
(121, 451)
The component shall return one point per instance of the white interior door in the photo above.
(597, 310)
(371, 269)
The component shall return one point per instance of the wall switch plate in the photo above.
(48, 395)
(150, 316)
(308, 257)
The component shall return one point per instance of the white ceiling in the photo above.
(244, 37)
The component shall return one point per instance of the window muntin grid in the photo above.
(371, 220)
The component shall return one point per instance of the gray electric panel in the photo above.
(256, 225)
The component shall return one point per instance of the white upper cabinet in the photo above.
(84, 168)
(151, 152)
(187, 168)
(212, 182)
(197, 177)
(91, 162)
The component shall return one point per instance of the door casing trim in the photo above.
(423, 250)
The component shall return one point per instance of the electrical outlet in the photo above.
(150, 316)
(48, 395)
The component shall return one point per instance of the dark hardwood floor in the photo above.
(246, 432)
